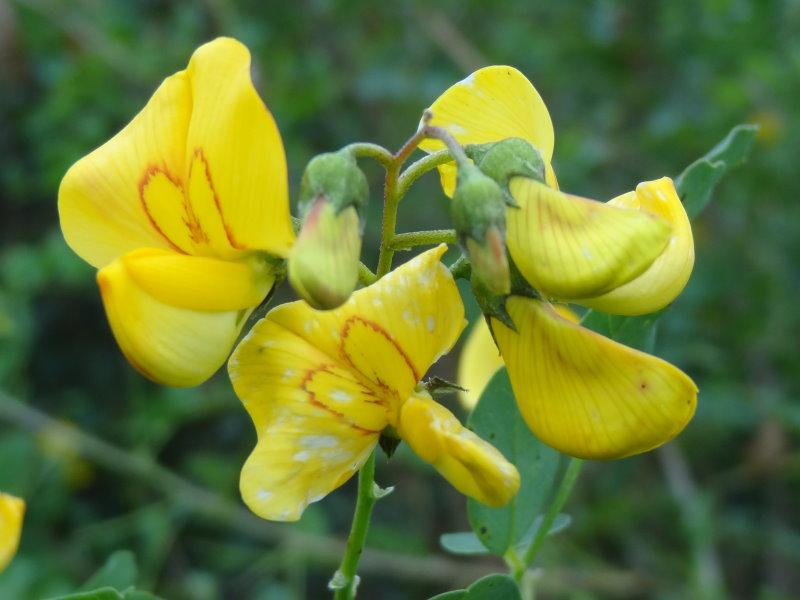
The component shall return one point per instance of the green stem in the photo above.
(374, 151)
(365, 275)
(419, 168)
(391, 199)
(345, 580)
(441, 134)
(403, 241)
(563, 492)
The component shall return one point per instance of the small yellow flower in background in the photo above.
(321, 387)
(492, 104)
(579, 392)
(12, 510)
(180, 212)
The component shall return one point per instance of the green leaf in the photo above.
(491, 587)
(119, 571)
(463, 542)
(104, 593)
(134, 594)
(109, 593)
(497, 419)
(466, 543)
(636, 332)
(560, 523)
(699, 179)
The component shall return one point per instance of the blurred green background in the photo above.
(636, 91)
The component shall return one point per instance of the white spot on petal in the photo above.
(319, 441)
(301, 456)
(341, 396)
(430, 323)
(263, 495)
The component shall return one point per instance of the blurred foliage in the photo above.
(636, 91)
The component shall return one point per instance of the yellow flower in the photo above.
(321, 387)
(585, 394)
(179, 212)
(578, 391)
(12, 510)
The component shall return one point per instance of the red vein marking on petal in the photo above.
(312, 398)
(378, 329)
(149, 173)
(198, 152)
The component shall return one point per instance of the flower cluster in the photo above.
(185, 214)
(579, 392)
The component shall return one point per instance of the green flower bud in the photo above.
(337, 177)
(508, 158)
(323, 263)
(479, 217)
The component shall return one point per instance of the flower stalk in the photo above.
(345, 581)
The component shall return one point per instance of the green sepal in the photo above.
(491, 305)
(477, 204)
(389, 441)
(511, 157)
(337, 177)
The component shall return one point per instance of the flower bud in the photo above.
(337, 177)
(478, 212)
(323, 263)
(508, 158)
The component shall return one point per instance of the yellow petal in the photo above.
(479, 361)
(474, 467)
(586, 395)
(492, 104)
(241, 149)
(199, 283)
(100, 201)
(170, 345)
(569, 247)
(200, 170)
(392, 331)
(661, 283)
(12, 510)
(316, 419)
